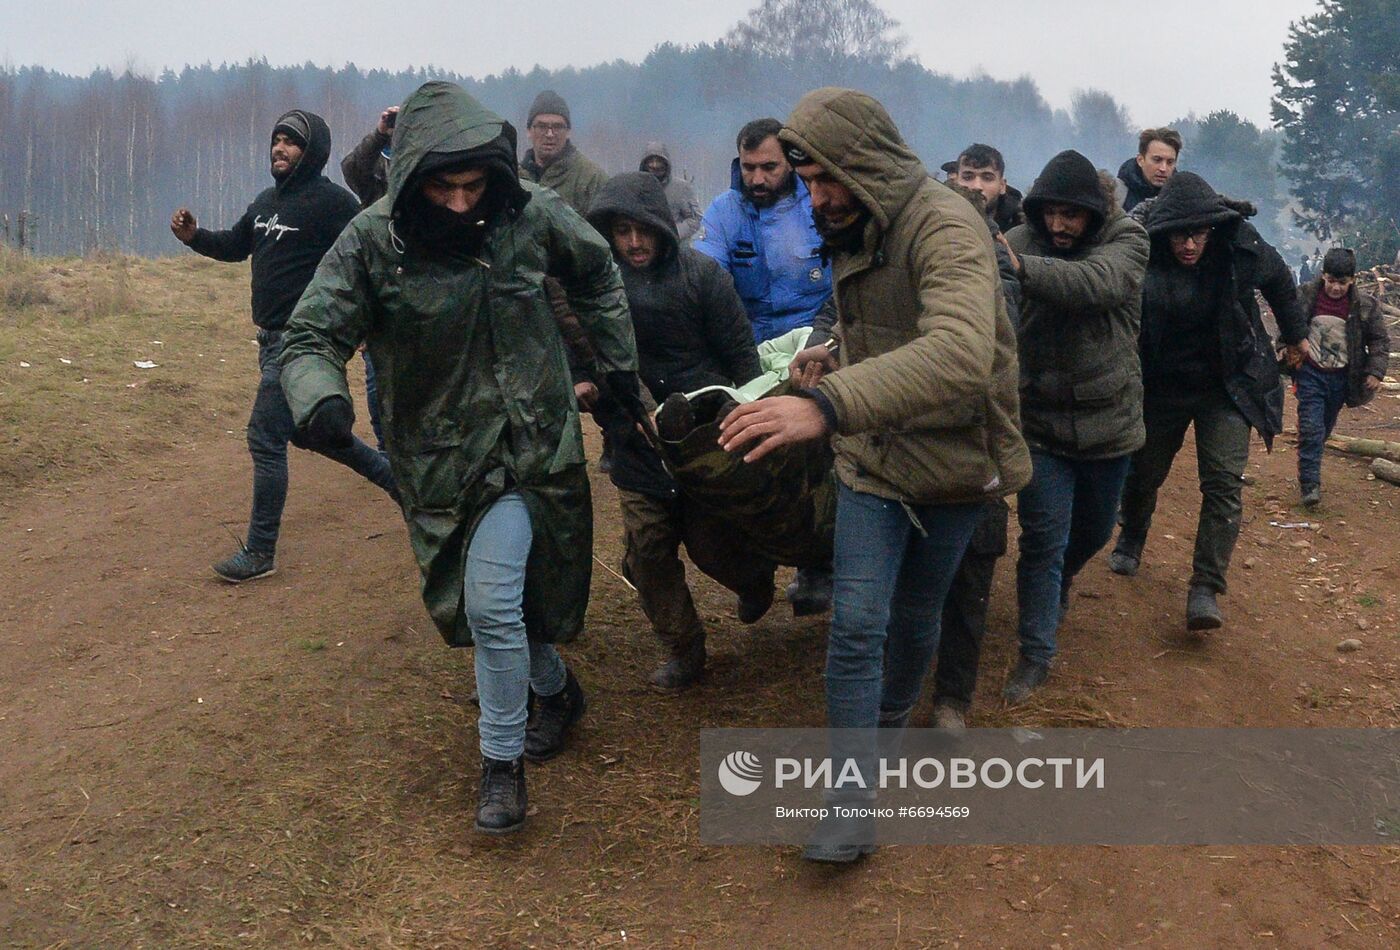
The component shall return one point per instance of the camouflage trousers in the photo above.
(655, 529)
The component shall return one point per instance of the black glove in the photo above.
(330, 426)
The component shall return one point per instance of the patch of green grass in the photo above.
(1368, 600)
(312, 644)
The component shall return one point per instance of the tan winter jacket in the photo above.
(926, 396)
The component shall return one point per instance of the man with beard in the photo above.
(1207, 362)
(691, 333)
(287, 230)
(680, 194)
(1080, 260)
(761, 231)
(444, 279)
(1144, 176)
(921, 403)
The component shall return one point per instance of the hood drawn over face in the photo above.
(657, 150)
(314, 131)
(442, 120)
(852, 137)
(639, 196)
(1187, 203)
(1069, 179)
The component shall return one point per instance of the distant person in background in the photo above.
(1348, 354)
(680, 194)
(1305, 271)
(1208, 363)
(553, 160)
(761, 231)
(287, 229)
(366, 167)
(1144, 176)
(366, 172)
(981, 168)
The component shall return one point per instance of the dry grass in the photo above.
(81, 404)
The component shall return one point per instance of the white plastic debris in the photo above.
(65, 362)
(24, 364)
(144, 364)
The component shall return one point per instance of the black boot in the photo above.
(681, 670)
(1127, 555)
(676, 420)
(1202, 612)
(810, 592)
(552, 719)
(501, 804)
(752, 606)
(1024, 680)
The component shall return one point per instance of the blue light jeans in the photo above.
(890, 578)
(1321, 396)
(508, 664)
(1067, 514)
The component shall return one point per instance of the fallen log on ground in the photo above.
(1386, 471)
(1369, 448)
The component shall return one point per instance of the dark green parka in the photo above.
(474, 385)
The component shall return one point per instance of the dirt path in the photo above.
(183, 763)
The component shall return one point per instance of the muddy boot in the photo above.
(842, 838)
(552, 719)
(676, 420)
(753, 605)
(501, 803)
(1126, 557)
(1202, 612)
(1024, 680)
(810, 593)
(1311, 495)
(681, 670)
(949, 717)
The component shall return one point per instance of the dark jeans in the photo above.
(1067, 514)
(372, 400)
(892, 569)
(1321, 396)
(655, 528)
(1222, 449)
(270, 429)
(965, 611)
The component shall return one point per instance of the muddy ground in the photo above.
(184, 763)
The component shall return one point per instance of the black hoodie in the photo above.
(691, 327)
(1139, 188)
(287, 229)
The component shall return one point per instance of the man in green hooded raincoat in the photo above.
(443, 278)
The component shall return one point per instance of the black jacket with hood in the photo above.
(691, 327)
(1245, 263)
(1081, 384)
(288, 228)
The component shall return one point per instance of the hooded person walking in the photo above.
(287, 230)
(1208, 363)
(680, 194)
(444, 280)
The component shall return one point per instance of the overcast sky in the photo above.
(1161, 60)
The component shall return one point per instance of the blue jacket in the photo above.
(773, 254)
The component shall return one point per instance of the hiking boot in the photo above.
(1126, 557)
(1312, 496)
(838, 840)
(949, 717)
(1202, 612)
(551, 720)
(681, 670)
(810, 593)
(245, 565)
(1024, 680)
(754, 605)
(501, 803)
(676, 420)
